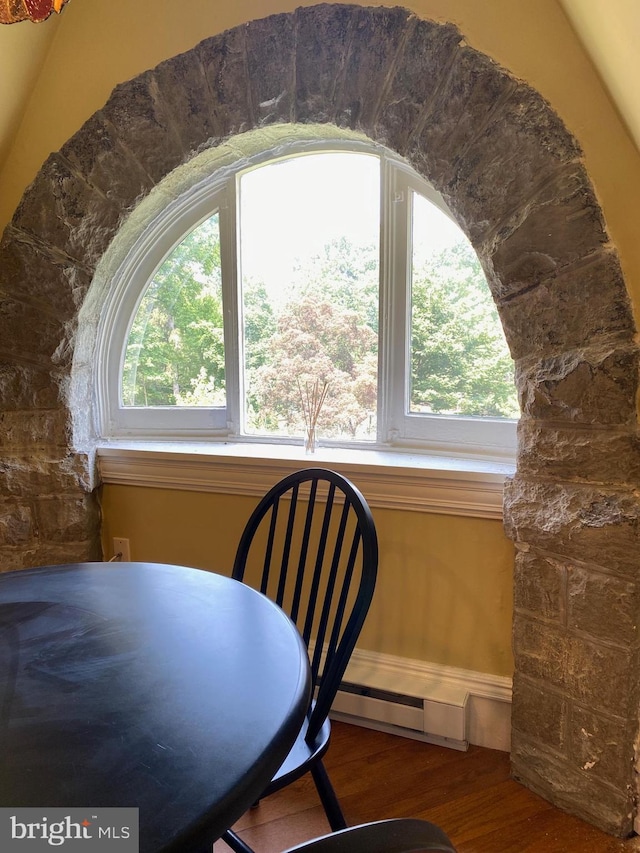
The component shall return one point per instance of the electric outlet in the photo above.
(121, 549)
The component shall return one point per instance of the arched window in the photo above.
(334, 271)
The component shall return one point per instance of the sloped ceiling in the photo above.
(23, 48)
(610, 32)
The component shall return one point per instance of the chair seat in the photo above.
(301, 758)
(399, 835)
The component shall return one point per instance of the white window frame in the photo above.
(155, 243)
(437, 433)
(480, 438)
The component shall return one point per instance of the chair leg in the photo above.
(235, 842)
(328, 797)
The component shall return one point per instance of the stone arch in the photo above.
(515, 179)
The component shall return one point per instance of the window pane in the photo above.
(175, 350)
(460, 362)
(309, 248)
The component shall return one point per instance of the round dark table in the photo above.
(174, 690)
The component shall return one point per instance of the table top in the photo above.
(174, 690)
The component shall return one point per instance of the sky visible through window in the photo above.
(293, 208)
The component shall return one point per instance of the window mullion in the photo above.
(394, 320)
(231, 305)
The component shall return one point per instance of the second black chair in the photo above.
(401, 835)
(311, 546)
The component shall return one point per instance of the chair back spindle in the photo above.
(320, 556)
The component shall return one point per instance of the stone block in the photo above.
(583, 670)
(571, 308)
(137, 113)
(573, 791)
(539, 713)
(16, 524)
(323, 36)
(513, 149)
(558, 226)
(22, 476)
(595, 386)
(417, 73)
(46, 277)
(539, 586)
(33, 334)
(99, 155)
(599, 746)
(187, 100)
(50, 554)
(67, 213)
(84, 467)
(377, 35)
(603, 606)
(577, 453)
(540, 652)
(68, 519)
(586, 523)
(469, 93)
(26, 386)
(224, 62)
(13, 559)
(24, 430)
(271, 54)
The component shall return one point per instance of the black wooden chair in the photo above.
(402, 835)
(311, 546)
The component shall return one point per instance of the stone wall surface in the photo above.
(515, 180)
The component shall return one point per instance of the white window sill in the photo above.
(389, 479)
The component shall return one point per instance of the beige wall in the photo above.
(23, 51)
(445, 588)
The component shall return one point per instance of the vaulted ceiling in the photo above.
(609, 31)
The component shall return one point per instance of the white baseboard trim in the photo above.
(438, 704)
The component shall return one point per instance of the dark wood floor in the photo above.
(469, 794)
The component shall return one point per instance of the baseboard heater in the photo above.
(440, 717)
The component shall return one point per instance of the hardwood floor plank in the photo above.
(546, 833)
(281, 833)
(300, 796)
(469, 794)
(477, 814)
(417, 786)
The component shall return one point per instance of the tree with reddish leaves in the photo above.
(318, 339)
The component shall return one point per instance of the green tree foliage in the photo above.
(326, 329)
(346, 275)
(175, 351)
(460, 362)
(259, 324)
